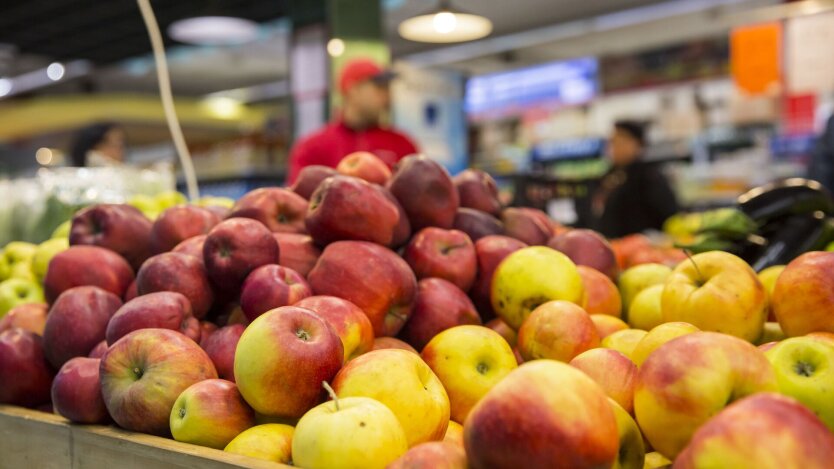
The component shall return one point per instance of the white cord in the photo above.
(168, 99)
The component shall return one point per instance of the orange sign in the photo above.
(755, 57)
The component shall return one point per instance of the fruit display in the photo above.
(371, 319)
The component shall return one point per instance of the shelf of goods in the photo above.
(30, 438)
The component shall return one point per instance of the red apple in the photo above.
(144, 372)
(207, 328)
(558, 330)
(77, 322)
(131, 292)
(192, 246)
(98, 350)
(348, 321)
(283, 357)
(180, 223)
(272, 286)
(121, 228)
(402, 232)
(76, 391)
(179, 273)
(309, 179)
(210, 413)
(478, 190)
(490, 251)
(280, 210)
(370, 276)
(527, 224)
(365, 165)
(447, 254)
(348, 208)
(614, 372)
(508, 333)
(24, 371)
(29, 316)
(158, 310)
(220, 347)
(236, 247)
(589, 248)
(297, 251)
(390, 342)
(803, 297)
(601, 294)
(477, 224)
(432, 455)
(440, 305)
(87, 265)
(426, 192)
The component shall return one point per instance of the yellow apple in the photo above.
(469, 361)
(768, 277)
(270, 442)
(607, 325)
(454, 433)
(644, 312)
(348, 432)
(772, 333)
(655, 460)
(612, 371)
(716, 291)
(659, 336)
(624, 341)
(63, 230)
(632, 451)
(44, 253)
(210, 413)
(557, 330)
(636, 279)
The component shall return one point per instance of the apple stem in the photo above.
(694, 264)
(332, 394)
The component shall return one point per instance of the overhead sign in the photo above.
(755, 57)
(809, 64)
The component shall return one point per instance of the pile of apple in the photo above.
(367, 319)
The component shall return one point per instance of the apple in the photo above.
(454, 433)
(146, 204)
(348, 432)
(508, 333)
(309, 179)
(589, 248)
(118, 227)
(526, 224)
(236, 247)
(347, 320)
(632, 453)
(192, 246)
(144, 372)
(77, 322)
(659, 336)
(220, 346)
(439, 306)
(297, 252)
(530, 277)
(478, 190)
(158, 310)
(24, 371)
(612, 371)
(178, 224)
(607, 325)
(209, 201)
(16, 291)
(206, 330)
(469, 361)
(272, 286)
(803, 298)
(636, 279)
(645, 311)
(655, 460)
(44, 253)
(364, 165)
(447, 254)
(18, 252)
(768, 278)
(370, 276)
(434, 454)
(180, 273)
(282, 358)
(402, 232)
(392, 343)
(269, 441)
(772, 333)
(28, 316)
(167, 199)
(523, 421)
(210, 413)
(87, 265)
(601, 293)
(349, 208)
(76, 391)
(691, 378)
(62, 230)
(280, 210)
(404, 382)
(716, 291)
(22, 271)
(131, 292)
(426, 192)
(766, 431)
(98, 350)
(804, 368)
(624, 341)
(558, 330)
(490, 251)
(477, 224)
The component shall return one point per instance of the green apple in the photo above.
(269, 441)
(632, 451)
(19, 251)
(348, 432)
(624, 341)
(210, 201)
(5, 267)
(45, 252)
(63, 230)
(146, 204)
(655, 460)
(16, 291)
(804, 369)
(638, 278)
(22, 270)
(168, 199)
(644, 312)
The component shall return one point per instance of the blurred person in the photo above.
(634, 196)
(822, 157)
(365, 101)
(98, 145)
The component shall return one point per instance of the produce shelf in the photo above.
(30, 438)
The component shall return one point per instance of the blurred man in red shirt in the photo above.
(365, 99)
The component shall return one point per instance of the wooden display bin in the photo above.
(39, 440)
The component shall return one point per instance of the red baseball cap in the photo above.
(359, 70)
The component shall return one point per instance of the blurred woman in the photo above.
(98, 145)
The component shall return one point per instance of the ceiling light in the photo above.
(55, 71)
(213, 30)
(223, 107)
(44, 156)
(5, 86)
(335, 47)
(445, 25)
